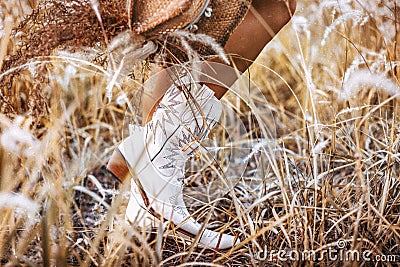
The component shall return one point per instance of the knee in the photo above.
(277, 12)
(287, 8)
(291, 4)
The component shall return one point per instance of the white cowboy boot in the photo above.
(157, 154)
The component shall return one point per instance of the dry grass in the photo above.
(330, 184)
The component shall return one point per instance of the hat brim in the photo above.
(161, 16)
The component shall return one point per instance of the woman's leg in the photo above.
(157, 152)
(264, 19)
(262, 22)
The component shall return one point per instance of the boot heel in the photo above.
(118, 167)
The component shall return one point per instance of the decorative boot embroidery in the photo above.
(178, 126)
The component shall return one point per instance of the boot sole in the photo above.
(118, 167)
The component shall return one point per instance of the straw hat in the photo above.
(154, 17)
(215, 18)
(161, 16)
(70, 24)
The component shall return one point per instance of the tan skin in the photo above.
(262, 22)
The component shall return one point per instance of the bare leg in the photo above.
(157, 190)
(263, 21)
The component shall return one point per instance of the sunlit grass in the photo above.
(331, 81)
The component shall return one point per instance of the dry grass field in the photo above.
(321, 183)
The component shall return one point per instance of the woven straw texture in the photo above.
(226, 16)
(159, 16)
(73, 24)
